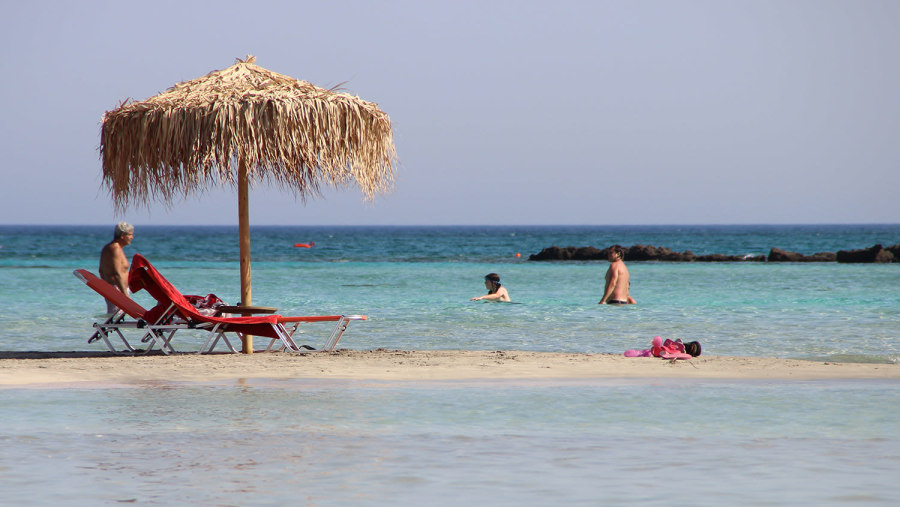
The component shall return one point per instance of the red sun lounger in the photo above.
(143, 276)
(157, 331)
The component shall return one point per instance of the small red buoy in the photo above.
(305, 245)
(518, 254)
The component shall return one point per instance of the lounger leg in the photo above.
(109, 345)
(285, 337)
(336, 334)
(213, 333)
(115, 318)
(290, 338)
(206, 350)
(122, 337)
(151, 339)
(214, 337)
(94, 337)
(159, 337)
(272, 342)
(339, 329)
(163, 340)
(103, 334)
(228, 343)
(169, 341)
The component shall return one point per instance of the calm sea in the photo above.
(490, 442)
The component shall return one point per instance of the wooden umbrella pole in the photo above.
(244, 233)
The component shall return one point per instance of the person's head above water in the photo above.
(492, 281)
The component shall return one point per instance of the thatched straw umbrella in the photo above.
(240, 125)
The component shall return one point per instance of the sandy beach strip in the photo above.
(55, 368)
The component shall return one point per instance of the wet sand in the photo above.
(56, 368)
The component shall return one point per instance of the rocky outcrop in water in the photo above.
(555, 253)
(876, 253)
(779, 255)
(636, 253)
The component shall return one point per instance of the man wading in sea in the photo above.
(617, 279)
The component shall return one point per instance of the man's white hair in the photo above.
(123, 228)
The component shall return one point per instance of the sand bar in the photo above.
(39, 368)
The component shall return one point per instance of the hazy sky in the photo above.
(556, 112)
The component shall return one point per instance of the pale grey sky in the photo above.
(602, 112)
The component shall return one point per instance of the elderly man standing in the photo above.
(114, 264)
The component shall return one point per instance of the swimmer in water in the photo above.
(496, 292)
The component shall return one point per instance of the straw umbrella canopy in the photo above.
(240, 126)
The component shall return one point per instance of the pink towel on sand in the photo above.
(658, 348)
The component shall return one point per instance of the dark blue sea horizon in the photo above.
(416, 243)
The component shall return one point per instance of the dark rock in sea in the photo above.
(553, 253)
(895, 251)
(569, 253)
(686, 256)
(644, 253)
(589, 253)
(660, 253)
(635, 253)
(779, 255)
(653, 253)
(822, 257)
(875, 253)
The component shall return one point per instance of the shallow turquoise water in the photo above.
(801, 311)
(314, 442)
(268, 442)
(836, 311)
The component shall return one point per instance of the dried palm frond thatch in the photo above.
(279, 130)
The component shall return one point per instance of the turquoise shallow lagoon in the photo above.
(311, 442)
(308, 442)
(415, 283)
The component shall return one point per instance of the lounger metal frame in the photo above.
(286, 334)
(342, 321)
(156, 334)
(159, 335)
